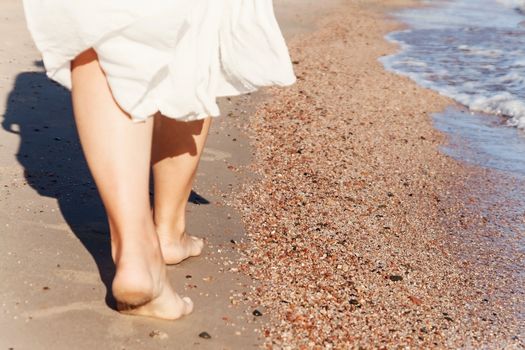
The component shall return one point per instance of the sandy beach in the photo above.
(332, 218)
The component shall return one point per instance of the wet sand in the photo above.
(55, 262)
(362, 234)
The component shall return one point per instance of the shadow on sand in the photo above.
(40, 112)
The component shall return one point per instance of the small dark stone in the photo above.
(395, 278)
(57, 139)
(205, 335)
(256, 313)
(295, 62)
(233, 241)
(390, 194)
(353, 302)
(156, 334)
(449, 319)
(45, 288)
(188, 276)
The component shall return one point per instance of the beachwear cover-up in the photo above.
(172, 56)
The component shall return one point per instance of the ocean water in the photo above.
(474, 52)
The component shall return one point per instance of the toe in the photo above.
(188, 303)
(198, 244)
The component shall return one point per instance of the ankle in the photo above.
(172, 232)
(136, 245)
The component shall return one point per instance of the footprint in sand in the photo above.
(211, 155)
(77, 276)
(96, 306)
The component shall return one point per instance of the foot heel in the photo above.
(131, 300)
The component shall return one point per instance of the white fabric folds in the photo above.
(172, 56)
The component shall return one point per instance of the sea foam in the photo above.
(470, 50)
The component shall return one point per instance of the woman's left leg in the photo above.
(177, 148)
(118, 154)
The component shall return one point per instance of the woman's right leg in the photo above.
(118, 153)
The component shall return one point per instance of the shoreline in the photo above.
(432, 280)
(481, 138)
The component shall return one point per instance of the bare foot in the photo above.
(167, 305)
(141, 287)
(176, 250)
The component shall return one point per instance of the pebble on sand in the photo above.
(156, 334)
(205, 335)
(257, 313)
(395, 278)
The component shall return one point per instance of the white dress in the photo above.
(172, 56)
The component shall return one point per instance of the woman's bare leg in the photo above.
(118, 153)
(177, 147)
